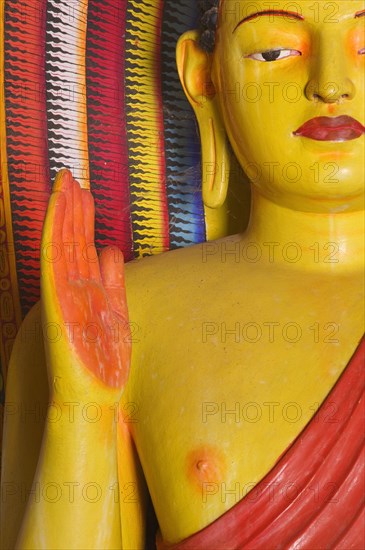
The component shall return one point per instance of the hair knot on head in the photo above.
(208, 23)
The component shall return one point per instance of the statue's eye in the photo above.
(273, 55)
(362, 51)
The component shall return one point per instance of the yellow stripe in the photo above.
(145, 142)
(83, 143)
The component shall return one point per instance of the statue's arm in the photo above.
(73, 504)
(85, 325)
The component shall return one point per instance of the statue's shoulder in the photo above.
(191, 274)
(179, 267)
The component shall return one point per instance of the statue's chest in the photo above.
(219, 397)
(214, 425)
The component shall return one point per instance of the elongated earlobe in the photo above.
(215, 163)
(194, 66)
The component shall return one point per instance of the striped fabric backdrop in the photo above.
(92, 85)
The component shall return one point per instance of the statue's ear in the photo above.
(194, 66)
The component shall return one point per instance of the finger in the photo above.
(79, 233)
(64, 184)
(89, 215)
(112, 274)
(63, 181)
(91, 255)
(52, 257)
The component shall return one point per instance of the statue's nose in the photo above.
(330, 91)
(330, 80)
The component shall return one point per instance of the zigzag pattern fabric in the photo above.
(92, 85)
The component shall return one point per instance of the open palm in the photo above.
(84, 304)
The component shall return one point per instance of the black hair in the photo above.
(208, 23)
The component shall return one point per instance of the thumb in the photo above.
(112, 274)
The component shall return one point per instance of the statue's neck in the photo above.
(304, 240)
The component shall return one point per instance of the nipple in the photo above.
(205, 464)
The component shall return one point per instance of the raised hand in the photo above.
(84, 308)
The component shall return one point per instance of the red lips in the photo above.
(323, 128)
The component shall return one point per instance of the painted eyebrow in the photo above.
(360, 14)
(283, 13)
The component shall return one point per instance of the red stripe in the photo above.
(107, 124)
(25, 101)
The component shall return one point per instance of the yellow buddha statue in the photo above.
(232, 346)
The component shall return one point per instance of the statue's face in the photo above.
(291, 91)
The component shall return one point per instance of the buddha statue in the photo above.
(230, 400)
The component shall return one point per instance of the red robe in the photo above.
(313, 498)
